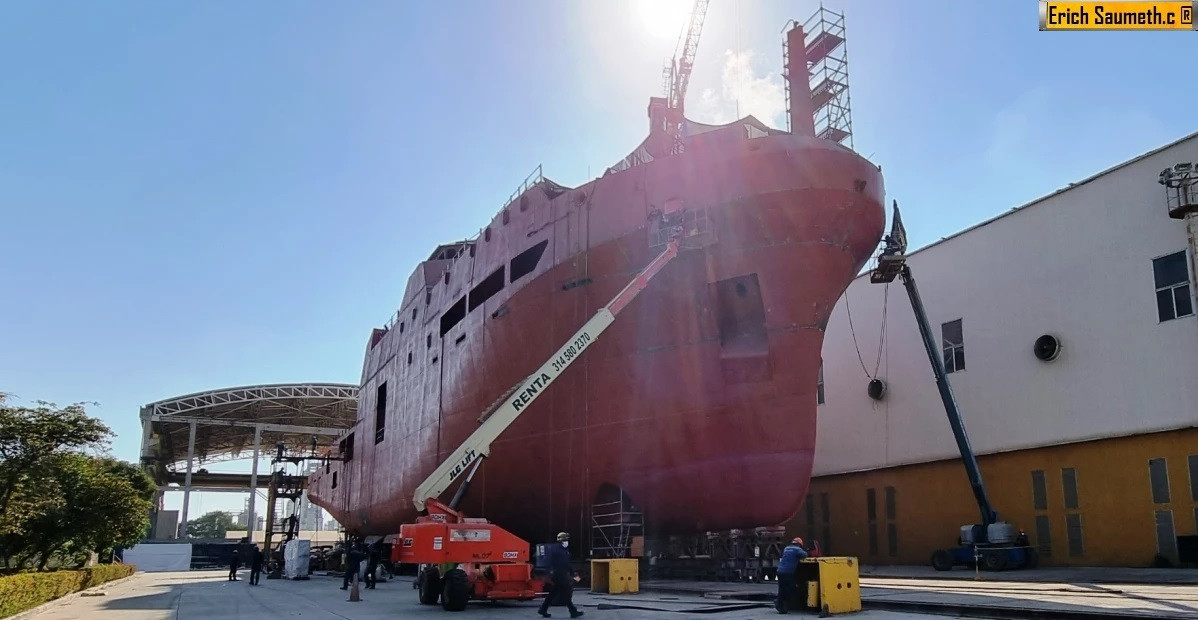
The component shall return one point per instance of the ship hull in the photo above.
(699, 402)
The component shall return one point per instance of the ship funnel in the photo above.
(799, 108)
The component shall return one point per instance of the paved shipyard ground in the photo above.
(208, 595)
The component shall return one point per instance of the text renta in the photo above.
(1057, 16)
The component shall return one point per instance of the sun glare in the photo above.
(663, 19)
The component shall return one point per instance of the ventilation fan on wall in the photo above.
(876, 389)
(1047, 348)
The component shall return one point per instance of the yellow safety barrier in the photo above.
(615, 576)
(831, 585)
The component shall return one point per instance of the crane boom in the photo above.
(684, 57)
(477, 446)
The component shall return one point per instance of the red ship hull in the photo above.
(699, 402)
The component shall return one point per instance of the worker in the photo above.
(561, 578)
(235, 563)
(256, 560)
(372, 564)
(788, 567)
(353, 563)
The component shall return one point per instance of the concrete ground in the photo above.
(1157, 576)
(210, 596)
(1068, 592)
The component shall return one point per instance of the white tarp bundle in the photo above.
(159, 557)
(296, 556)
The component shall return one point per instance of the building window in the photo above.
(334, 480)
(347, 448)
(809, 504)
(871, 514)
(1194, 477)
(1166, 535)
(954, 346)
(1043, 536)
(826, 518)
(1073, 532)
(380, 410)
(401, 327)
(819, 386)
(1069, 483)
(1039, 492)
(891, 524)
(1158, 478)
(1172, 278)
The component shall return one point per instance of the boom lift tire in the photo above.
(455, 592)
(942, 560)
(429, 585)
(994, 560)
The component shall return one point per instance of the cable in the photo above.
(882, 332)
(854, 333)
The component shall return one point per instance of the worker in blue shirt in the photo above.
(788, 566)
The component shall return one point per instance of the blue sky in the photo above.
(200, 195)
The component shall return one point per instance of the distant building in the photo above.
(1068, 328)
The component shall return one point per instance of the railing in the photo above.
(530, 181)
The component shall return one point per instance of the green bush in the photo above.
(24, 591)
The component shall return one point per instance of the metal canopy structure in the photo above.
(232, 423)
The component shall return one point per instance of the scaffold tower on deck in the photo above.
(826, 53)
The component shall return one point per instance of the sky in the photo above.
(203, 195)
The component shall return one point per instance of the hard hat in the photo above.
(563, 536)
(798, 540)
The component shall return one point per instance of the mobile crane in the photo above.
(992, 544)
(488, 562)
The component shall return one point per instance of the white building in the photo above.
(1094, 453)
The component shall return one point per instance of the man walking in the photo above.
(256, 560)
(372, 565)
(788, 567)
(235, 563)
(561, 588)
(353, 563)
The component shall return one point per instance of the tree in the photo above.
(28, 435)
(55, 499)
(210, 525)
(94, 507)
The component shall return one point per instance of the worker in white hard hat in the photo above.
(561, 578)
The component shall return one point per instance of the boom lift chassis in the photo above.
(991, 544)
(480, 560)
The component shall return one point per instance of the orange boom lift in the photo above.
(480, 560)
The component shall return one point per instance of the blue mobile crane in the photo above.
(992, 544)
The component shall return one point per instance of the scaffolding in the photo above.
(614, 527)
(827, 57)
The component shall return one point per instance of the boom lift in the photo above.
(484, 561)
(993, 544)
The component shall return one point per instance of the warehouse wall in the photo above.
(1077, 264)
(1114, 517)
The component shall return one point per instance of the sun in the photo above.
(663, 19)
